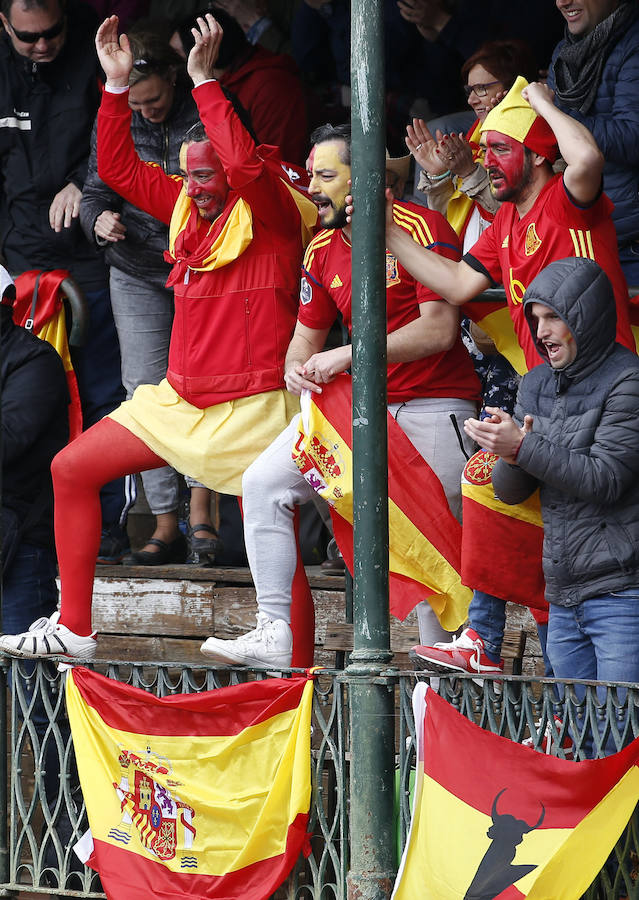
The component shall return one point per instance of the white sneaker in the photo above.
(46, 637)
(268, 646)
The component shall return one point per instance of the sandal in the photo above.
(172, 552)
(202, 551)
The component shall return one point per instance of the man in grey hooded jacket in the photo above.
(575, 434)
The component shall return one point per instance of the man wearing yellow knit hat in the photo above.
(543, 216)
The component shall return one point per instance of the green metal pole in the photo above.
(372, 764)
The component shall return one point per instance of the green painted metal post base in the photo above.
(373, 853)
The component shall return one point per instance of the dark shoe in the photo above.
(173, 552)
(114, 545)
(334, 563)
(202, 551)
(333, 566)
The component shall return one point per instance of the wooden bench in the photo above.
(339, 639)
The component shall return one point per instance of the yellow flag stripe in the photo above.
(245, 789)
(499, 326)
(571, 871)
(484, 494)
(431, 871)
(410, 553)
(54, 331)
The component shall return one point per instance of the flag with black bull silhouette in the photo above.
(495, 820)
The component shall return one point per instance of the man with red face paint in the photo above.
(235, 240)
(543, 217)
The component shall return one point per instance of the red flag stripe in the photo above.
(120, 870)
(450, 738)
(222, 713)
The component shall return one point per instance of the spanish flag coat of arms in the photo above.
(193, 795)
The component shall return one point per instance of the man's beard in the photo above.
(513, 192)
(338, 219)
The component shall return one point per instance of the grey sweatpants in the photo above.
(273, 485)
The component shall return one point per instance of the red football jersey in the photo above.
(326, 290)
(512, 251)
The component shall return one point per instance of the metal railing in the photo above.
(46, 812)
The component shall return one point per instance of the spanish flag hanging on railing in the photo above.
(193, 795)
(495, 819)
(424, 536)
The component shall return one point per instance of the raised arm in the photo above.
(246, 171)
(577, 146)
(143, 184)
(455, 281)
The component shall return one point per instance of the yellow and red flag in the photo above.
(48, 322)
(424, 536)
(495, 820)
(193, 795)
(501, 544)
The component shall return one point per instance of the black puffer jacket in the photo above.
(35, 425)
(46, 114)
(584, 447)
(141, 254)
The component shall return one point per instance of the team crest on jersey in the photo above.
(306, 292)
(163, 822)
(533, 241)
(392, 273)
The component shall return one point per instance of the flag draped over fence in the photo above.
(193, 795)
(495, 819)
(425, 537)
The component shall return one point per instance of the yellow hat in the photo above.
(516, 118)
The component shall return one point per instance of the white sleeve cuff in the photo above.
(111, 89)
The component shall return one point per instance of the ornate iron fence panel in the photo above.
(47, 811)
(574, 720)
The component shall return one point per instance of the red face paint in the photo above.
(507, 164)
(205, 180)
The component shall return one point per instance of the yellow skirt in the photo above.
(213, 445)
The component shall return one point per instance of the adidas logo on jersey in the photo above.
(337, 282)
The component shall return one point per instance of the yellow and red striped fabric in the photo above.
(49, 324)
(193, 795)
(501, 544)
(425, 537)
(492, 818)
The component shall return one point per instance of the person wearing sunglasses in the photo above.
(49, 95)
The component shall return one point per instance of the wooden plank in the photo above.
(153, 607)
(165, 608)
(224, 575)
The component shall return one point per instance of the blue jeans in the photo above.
(487, 615)
(28, 592)
(597, 640)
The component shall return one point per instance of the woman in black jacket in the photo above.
(134, 243)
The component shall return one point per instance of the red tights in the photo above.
(106, 451)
